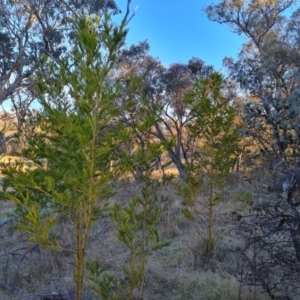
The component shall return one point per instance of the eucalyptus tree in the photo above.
(179, 80)
(28, 30)
(267, 69)
(161, 91)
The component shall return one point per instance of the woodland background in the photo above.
(126, 179)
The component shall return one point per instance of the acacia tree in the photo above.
(267, 69)
(214, 124)
(137, 229)
(77, 136)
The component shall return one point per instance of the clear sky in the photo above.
(178, 30)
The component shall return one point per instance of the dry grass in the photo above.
(178, 271)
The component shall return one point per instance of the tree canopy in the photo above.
(29, 30)
(267, 69)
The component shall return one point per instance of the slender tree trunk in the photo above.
(133, 274)
(79, 259)
(210, 219)
(209, 229)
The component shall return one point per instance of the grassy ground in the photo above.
(179, 271)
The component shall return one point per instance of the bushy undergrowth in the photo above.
(179, 271)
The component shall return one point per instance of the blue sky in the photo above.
(178, 30)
